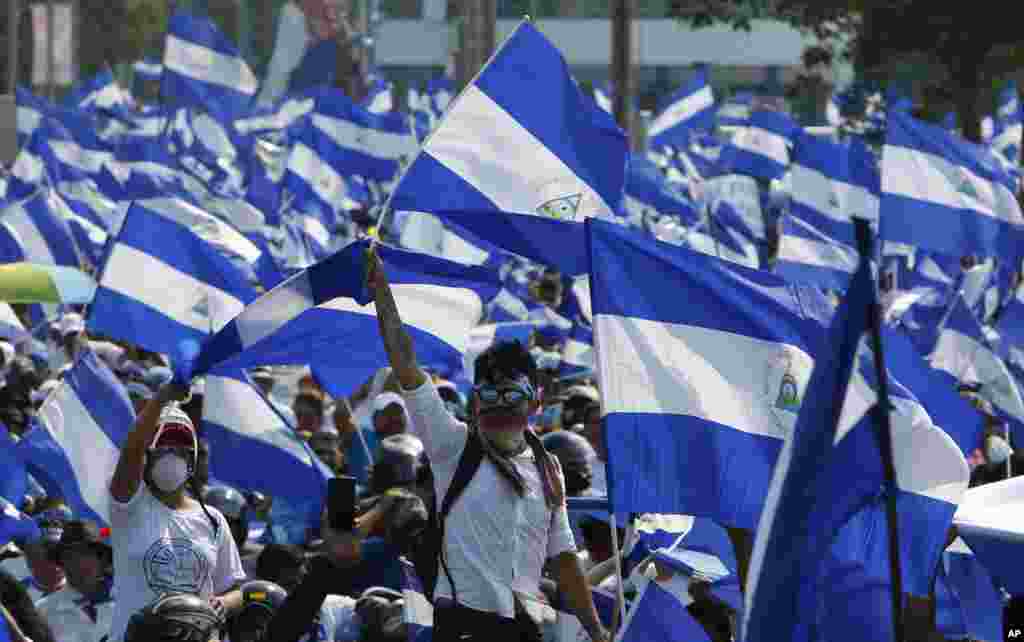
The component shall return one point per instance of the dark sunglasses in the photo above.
(508, 395)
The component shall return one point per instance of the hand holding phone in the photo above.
(341, 504)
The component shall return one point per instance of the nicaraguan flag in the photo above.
(968, 603)
(74, 446)
(648, 189)
(761, 147)
(379, 97)
(304, 319)
(823, 509)
(945, 194)
(700, 390)
(832, 184)
(989, 520)
(692, 106)
(14, 481)
(1007, 136)
(253, 438)
(520, 140)
(735, 112)
(159, 250)
(99, 92)
(202, 67)
(964, 353)
(32, 230)
(147, 69)
(29, 114)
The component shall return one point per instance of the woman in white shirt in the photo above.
(164, 541)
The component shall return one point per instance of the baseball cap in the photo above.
(71, 323)
(386, 399)
(175, 429)
(79, 532)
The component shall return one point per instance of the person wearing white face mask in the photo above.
(165, 541)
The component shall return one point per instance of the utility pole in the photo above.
(622, 71)
(51, 51)
(13, 20)
(477, 42)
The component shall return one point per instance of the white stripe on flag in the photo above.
(447, 313)
(146, 279)
(206, 65)
(239, 408)
(289, 111)
(261, 319)
(727, 378)
(814, 190)
(88, 449)
(682, 110)
(328, 185)
(798, 249)
(488, 148)
(417, 609)
(28, 167)
(28, 120)
(204, 225)
(926, 177)
(87, 160)
(763, 143)
(25, 232)
(373, 142)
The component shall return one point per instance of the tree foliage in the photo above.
(970, 47)
(115, 31)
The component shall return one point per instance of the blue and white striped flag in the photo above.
(761, 147)
(147, 69)
(29, 114)
(34, 231)
(511, 167)
(700, 392)
(99, 92)
(159, 250)
(827, 480)
(945, 194)
(968, 604)
(14, 481)
(831, 184)
(989, 521)
(365, 143)
(1006, 138)
(304, 319)
(202, 67)
(691, 107)
(74, 446)
(253, 438)
(735, 112)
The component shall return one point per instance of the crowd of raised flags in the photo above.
(714, 285)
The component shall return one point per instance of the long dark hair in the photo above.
(18, 603)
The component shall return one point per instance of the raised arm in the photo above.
(130, 464)
(397, 341)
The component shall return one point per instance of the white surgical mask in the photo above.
(997, 450)
(169, 472)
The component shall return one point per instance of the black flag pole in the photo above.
(883, 431)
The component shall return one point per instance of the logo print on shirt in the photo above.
(175, 566)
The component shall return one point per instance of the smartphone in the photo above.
(341, 503)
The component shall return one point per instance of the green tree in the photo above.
(119, 31)
(960, 49)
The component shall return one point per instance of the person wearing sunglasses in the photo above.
(511, 517)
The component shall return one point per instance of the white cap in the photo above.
(44, 390)
(386, 399)
(71, 323)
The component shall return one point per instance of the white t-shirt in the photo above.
(159, 550)
(68, 619)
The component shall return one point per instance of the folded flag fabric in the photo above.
(761, 147)
(32, 231)
(942, 193)
(832, 184)
(684, 413)
(308, 316)
(692, 106)
(160, 249)
(74, 446)
(989, 520)
(203, 67)
(241, 423)
(500, 150)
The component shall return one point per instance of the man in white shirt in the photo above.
(512, 516)
(82, 611)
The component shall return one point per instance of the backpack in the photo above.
(426, 558)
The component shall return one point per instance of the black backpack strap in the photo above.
(469, 462)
